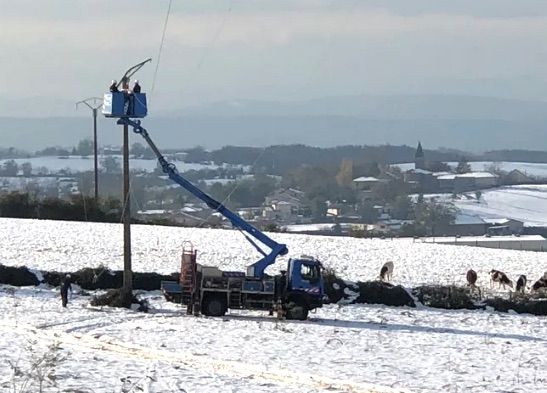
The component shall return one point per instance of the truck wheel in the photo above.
(297, 310)
(177, 299)
(213, 306)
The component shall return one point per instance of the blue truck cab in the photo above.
(305, 275)
(128, 105)
(305, 288)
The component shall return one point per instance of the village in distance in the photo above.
(401, 191)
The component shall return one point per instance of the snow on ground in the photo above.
(78, 164)
(530, 168)
(526, 203)
(418, 349)
(69, 246)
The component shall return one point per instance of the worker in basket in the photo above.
(128, 95)
(136, 87)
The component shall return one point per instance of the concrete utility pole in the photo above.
(94, 107)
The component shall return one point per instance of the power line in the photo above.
(326, 48)
(237, 185)
(217, 34)
(160, 49)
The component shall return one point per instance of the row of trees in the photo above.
(289, 155)
(439, 166)
(11, 168)
(76, 208)
(84, 148)
(281, 159)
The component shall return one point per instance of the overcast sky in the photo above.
(274, 49)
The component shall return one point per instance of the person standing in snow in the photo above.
(65, 286)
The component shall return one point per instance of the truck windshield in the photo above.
(310, 273)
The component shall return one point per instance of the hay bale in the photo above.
(334, 286)
(18, 276)
(53, 279)
(521, 305)
(379, 292)
(102, 278)
(447, 297)
(98, 278)
(119, 297)
(373, 292)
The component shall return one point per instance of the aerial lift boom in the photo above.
(132, 71)
(254, 270)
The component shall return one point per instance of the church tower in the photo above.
(419, 159)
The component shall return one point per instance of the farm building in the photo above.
(464, 225)
(474, 181)
(503, 226)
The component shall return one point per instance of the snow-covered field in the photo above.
(526, 203)
(69, 246)
(419, 349)
(345, 348)
(78, 164)
(530, 168)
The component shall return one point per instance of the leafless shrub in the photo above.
(38, 374)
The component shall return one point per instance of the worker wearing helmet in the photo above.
(136, 87)
(113, 86)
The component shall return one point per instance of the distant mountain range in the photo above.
(400, 107)
(468, 123)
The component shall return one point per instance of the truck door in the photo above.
(306, 277)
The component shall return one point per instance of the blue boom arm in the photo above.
(257, 268)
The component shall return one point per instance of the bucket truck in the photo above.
(207, 290)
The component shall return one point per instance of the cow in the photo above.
(386, 271)
(521, 283)
(501, 278)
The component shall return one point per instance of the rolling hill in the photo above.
(464, 122)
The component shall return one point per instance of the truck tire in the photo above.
(297, 310)
(176, 298)
(213, 306)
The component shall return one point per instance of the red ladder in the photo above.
(188, 271)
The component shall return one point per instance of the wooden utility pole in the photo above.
(95, 156)
(127, 269)
(126, 206)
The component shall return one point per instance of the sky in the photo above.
(66, 50)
